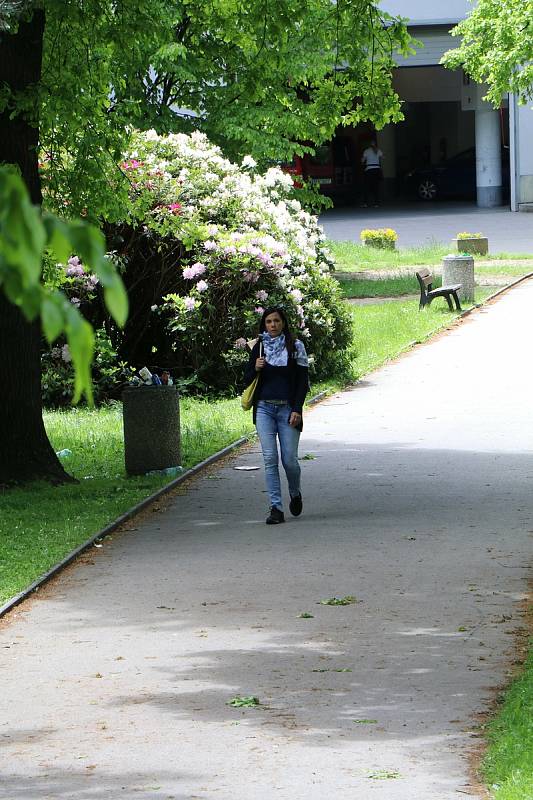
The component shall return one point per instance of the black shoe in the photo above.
(296, 505)
(275, 517)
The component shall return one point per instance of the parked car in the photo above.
(455, 177)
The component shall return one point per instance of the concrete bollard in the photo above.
(459, 269)
(151, 417)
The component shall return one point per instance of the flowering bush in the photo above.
(384, 238)
(208, 245)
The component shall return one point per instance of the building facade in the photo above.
(445, 114)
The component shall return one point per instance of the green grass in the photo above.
(511, 270)
(385, 330)
(502, 256)
(40, 524)
(387, 287)
(508, 764)
(353, 257)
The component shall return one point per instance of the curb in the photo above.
(18, 598)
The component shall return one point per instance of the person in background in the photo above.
(277, 408)
(371, 161)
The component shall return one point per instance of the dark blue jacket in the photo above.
(298, 381)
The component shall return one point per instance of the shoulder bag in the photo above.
(247, 397)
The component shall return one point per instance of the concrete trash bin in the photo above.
(459, 269)
(151, 417)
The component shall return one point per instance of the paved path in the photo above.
(420, 223)
(418, 502)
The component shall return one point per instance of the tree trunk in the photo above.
(25, 451)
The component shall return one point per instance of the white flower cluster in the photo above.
(241, 221)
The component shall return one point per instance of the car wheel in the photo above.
(427, 189)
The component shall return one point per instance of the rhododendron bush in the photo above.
(209, 244)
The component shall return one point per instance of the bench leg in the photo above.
(457, 303)
(449, 301)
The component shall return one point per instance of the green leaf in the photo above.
(88, 243)
(339, 601)
(58, 237)
(244, 702)
(21, 229)
(80, 338)
(52, 316)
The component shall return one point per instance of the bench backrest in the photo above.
(425, 279)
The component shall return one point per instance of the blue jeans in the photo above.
(273, 421)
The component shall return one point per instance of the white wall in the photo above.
(427, 84)
(429, 11)
(525, 153)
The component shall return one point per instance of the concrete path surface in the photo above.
(116, 679)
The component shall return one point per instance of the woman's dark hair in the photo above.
(289, 338)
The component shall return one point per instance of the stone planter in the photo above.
(459, 269)
(151, 416)
(476, 246)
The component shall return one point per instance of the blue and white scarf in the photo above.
(276, 352)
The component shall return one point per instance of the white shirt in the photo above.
(371, 158)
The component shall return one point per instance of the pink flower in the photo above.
(75, 267)
(190, 305)
(262, 295)
(259, 310)
(194, 271)
(131, 164)
(265, 258)
(202, 286)
(240, 344)
(296, 295)
(75, 301)
(65, 354)
(175, 208)
(210, 245)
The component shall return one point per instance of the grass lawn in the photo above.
(387, 287)
(353, 257)
(511, 270)
(40, 524)
(508, 764)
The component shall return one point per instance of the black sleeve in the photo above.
(301, 389)
(250, 372)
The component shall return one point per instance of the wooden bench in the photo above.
(427, 294)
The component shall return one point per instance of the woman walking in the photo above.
(277, 408)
